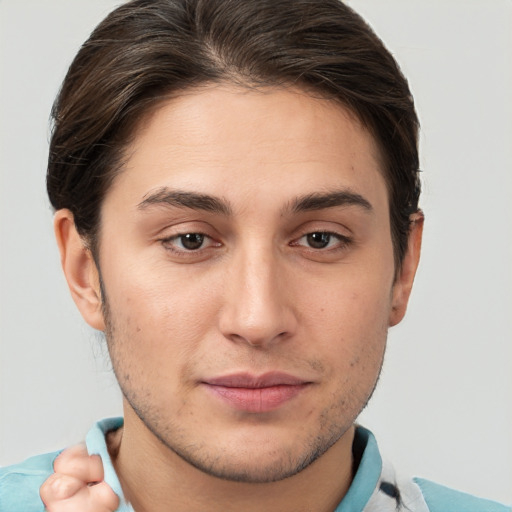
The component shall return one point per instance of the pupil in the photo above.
(192, 241)
(319, 240)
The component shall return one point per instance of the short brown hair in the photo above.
(148, 49)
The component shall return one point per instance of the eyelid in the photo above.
(330, 226)
(179, 227)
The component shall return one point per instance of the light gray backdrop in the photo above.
(444, 406)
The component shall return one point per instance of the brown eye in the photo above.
(191, 247)
(191, 241)
(318, 240)
(322, 241)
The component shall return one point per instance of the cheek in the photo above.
(348, 321)
(357, 345)
(351, 305)
(156, 316)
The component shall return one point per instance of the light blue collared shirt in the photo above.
(375, 488)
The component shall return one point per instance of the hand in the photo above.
(77, 484)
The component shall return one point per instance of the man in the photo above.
(236, 197)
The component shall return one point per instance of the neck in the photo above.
(155, 479)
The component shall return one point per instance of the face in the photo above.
(248, 277)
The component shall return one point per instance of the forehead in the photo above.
(248, 143)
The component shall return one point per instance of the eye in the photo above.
(318, 240)
(191, 241)
(322, 240)
(188, 242)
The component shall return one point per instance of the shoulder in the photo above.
(442, 499)
(20, 483)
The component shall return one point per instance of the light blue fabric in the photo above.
(96, 445)
(367, 475)
(19, 484)
(369, 492)
(443, 499)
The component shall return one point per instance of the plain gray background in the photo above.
(444, 406)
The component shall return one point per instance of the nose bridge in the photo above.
(256, 309)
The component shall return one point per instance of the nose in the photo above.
(257, 307)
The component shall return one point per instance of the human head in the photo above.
(149, 50)
(291, 278)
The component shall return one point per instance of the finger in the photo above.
(63, 493)
(76, 462)
(59, 487)
(103, 496)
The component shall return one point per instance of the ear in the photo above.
(403, 283)
(79, 269)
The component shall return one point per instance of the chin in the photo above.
(252, 458)
(261, 469)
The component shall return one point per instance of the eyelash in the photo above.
(342, 242)
(168, 243)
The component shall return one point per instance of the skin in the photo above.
(259, 295)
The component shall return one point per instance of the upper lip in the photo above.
(252, 381)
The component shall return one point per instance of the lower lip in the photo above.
(257, 399)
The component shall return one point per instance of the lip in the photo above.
(256, 393)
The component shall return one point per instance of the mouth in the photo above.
(256, 393)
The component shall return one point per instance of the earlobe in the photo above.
(79, 269)
(403, 284)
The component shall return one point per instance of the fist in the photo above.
(77, 484)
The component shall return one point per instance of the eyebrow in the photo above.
(181, 199)
(196, 201)
(321, 201)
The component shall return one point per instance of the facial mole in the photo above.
(354, 362)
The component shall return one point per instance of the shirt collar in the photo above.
(364, 448)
